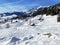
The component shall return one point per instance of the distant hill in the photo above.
(16, 13)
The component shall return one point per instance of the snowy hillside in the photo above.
(38, 30)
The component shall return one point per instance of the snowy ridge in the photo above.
(42, 7)
(44, 32)
(5, 17)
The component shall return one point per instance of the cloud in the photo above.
(12, 8)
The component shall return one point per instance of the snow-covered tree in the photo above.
(29, 22)
(7, 25)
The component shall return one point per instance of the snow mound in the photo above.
(44, 32)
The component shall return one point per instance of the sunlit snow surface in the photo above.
(46, 32)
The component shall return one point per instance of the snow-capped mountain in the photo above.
(16, 13)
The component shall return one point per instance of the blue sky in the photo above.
(23, 5)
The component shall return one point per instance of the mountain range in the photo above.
(48, 10)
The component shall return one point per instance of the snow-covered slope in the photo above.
(44, 32)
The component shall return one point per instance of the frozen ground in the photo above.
(46, 32)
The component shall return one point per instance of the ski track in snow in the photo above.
(46, 32)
